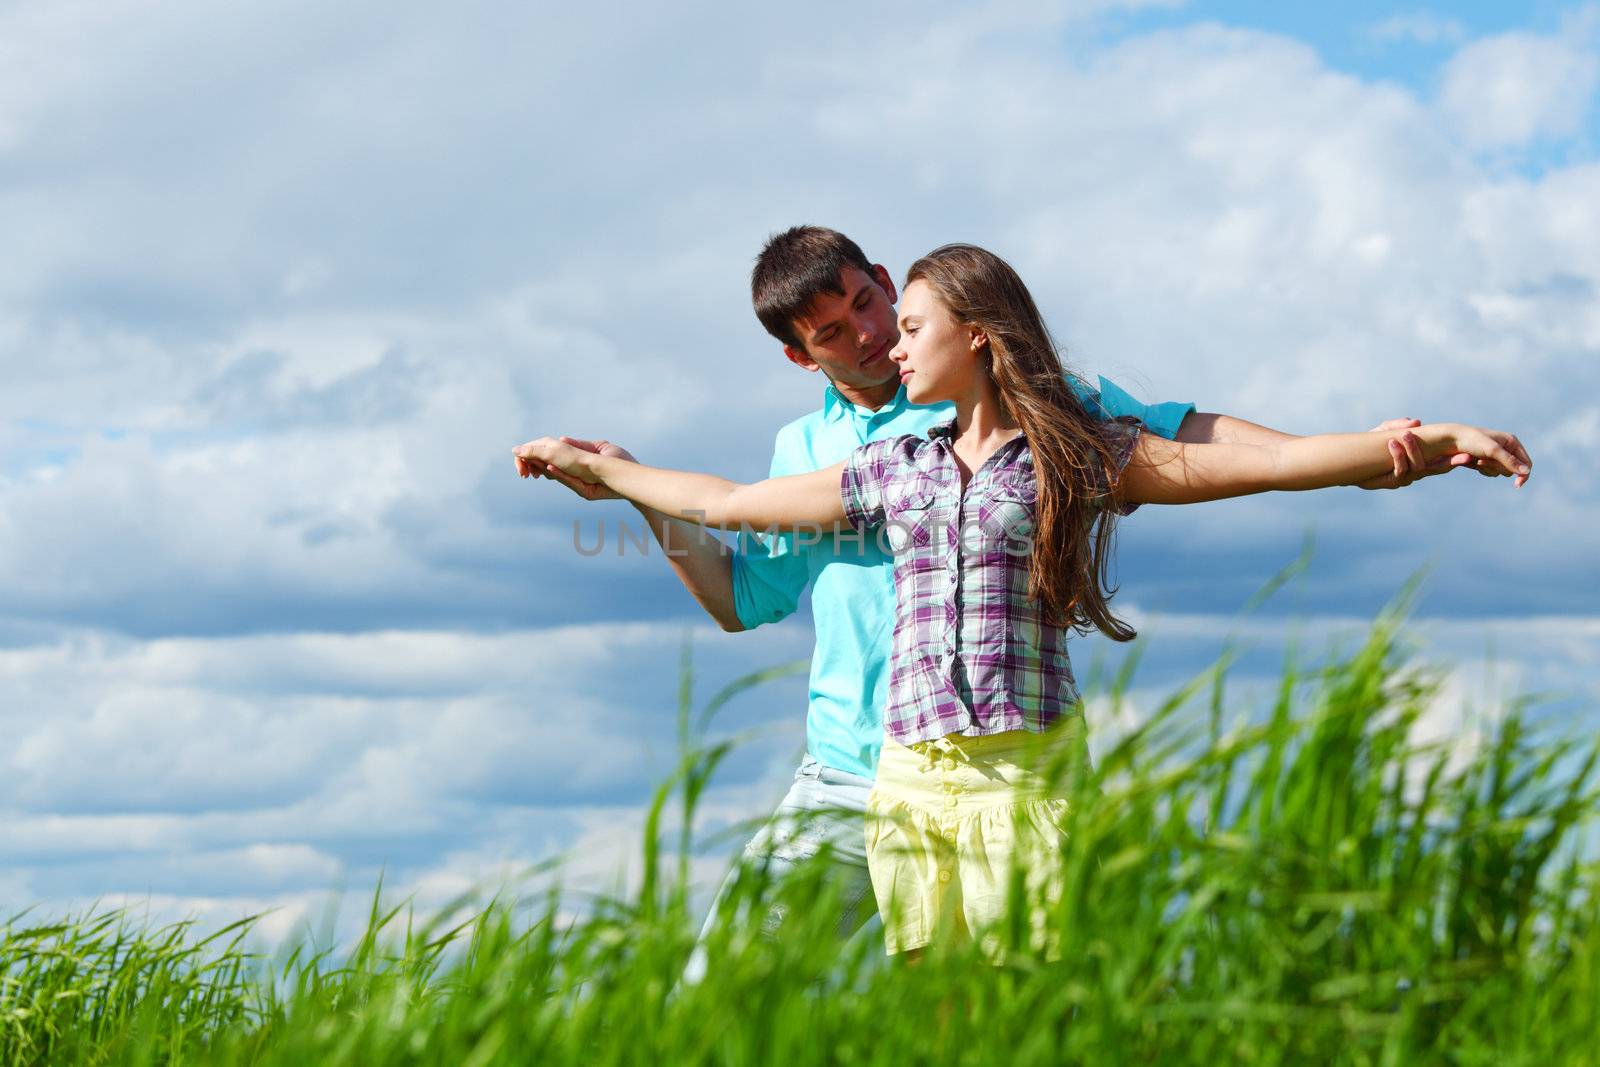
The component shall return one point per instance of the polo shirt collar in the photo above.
(835, 406)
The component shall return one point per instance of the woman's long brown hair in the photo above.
(1068, 570)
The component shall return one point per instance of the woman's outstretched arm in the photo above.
(802, 500)
(1169, 472)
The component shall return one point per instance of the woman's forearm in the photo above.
(1325, 460)
(796, 502)
(678, 494)
(1169, 472)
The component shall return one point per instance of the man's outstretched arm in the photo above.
(700, 559)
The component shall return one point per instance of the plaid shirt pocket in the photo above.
(911, 517)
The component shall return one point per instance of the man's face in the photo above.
(848, 337)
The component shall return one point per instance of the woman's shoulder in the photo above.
(888, 458)
(905, 446)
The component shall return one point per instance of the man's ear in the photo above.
(800, 359)
(881, 275)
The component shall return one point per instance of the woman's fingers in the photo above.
(1521, 464)
(1500, 455)
(1521, 451)
(533, 456)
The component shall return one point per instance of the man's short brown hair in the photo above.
(794, 269)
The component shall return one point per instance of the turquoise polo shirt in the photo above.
(852, 584)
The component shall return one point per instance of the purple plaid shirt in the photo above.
(972, 654)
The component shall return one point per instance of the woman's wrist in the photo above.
(1438, 438)
(598, 466)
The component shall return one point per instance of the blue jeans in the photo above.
(824, 807)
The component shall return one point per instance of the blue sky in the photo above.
(287, 281)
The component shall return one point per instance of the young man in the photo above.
(833, 311)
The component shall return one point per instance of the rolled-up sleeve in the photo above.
(1111, 401)
(768, 578)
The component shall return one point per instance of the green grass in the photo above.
(1313, 888)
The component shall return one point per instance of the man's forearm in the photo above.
(1207, 428)
(702, 562)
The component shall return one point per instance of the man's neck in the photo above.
(871, 397)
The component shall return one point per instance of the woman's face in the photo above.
(936, 356)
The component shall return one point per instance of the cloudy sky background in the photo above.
(284, 282)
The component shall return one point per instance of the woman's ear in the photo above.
(980, 340)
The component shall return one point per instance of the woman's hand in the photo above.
(548, 455)
(1495, 453)
(590, 490)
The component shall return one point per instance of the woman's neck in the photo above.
(982, 423)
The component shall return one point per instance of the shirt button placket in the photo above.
(952, 584)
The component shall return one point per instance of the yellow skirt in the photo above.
(952, 823)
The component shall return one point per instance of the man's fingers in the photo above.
(1397, 456)
(1413, 449)
(556, 474)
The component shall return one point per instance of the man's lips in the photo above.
(877, 353)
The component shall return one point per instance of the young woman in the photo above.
(1000, 522)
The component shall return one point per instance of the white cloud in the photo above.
(1515, 88)
(335, 450)
(296, 280)
(1425, 27)
(217, 776)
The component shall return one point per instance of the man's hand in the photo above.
(558, 460)
(587, 490)
(1409, 462)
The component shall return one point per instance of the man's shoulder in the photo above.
(800, 430)
(794, 446)
(813, 441)
(917, 419)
